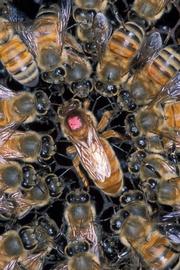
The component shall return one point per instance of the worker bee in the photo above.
(152, 166)
(160, 116)
(21, 202)
(93, 27)
(14, 176)
(46, 37)
(158, 72)
(27, 248)
(139, 233)
(29, 145)
(93, 150)
(150, 10)
(80, 216)
(22, 106)
(16, 57)
(166, 192)
(153, 143)
(124, 44)
(79, 257)
(77, 69)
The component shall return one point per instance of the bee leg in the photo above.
(112, 134)
(104, 121)
(71, 150)
(86, 104)
(76, 163)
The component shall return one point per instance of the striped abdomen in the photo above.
(113, 184)
(19, 62)
(127, 41)
(172, 115)
(156, 252)
(165, 65)
(47, 37)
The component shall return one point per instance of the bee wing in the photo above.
(150, 47)
(93, 156)
(6, 132)
(170, 91)
(23, 206)
(64, 14)
(174, 214)
(12, 265)
(102, 32)
(65, 11)
(34, 261)
(6, 92)
(61, 267)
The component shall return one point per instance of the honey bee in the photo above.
(27, 248)
(21, 202)
(13, 176)
(166, 192)
(79, 257)
(158, 72)
(80, 216)
(29, 145)
(161, 116)
(137, 231)
(152, 166)
(22, 106)
(46, 36)
(153, 143)
(123, 46)
(93, 150)
(93, 28)
(16, 57)
(150, 10)
(76, 69)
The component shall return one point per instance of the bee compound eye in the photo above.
(59, 72)
(71, 198)
(83, 247)
(106, 89)
(48, 147)
(69, 251)
(27, 236)
(115, 224)
(139, 196)
(84, 197)
(141, 142)
(54, 185)
(42, 102)
(126, 198)
(46, 77)
(135, 167)
(153, 183)
(13, 245)
(29, 176)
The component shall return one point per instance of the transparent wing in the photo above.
(65, 11)
(102, 32)
(34, 261)
(170, 91)
(6, 92)
(93, 156)
(150, 47)
(13, 265)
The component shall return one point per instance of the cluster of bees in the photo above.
(75, 74)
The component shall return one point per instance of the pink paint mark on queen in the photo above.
(74, 122)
